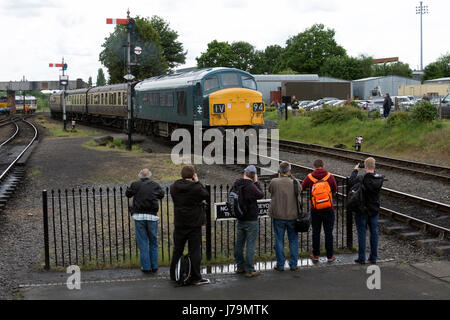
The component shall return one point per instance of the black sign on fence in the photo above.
(221, 210)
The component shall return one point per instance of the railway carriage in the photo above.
(30, 104)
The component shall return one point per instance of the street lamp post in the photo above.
(421, 9)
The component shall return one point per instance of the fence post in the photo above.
(349, 217)
(208, 224)
(46, 244)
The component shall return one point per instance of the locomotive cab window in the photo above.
(230, 79)
(248, 82)
(211, 83)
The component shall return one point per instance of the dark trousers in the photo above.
(325, 218)
(193, 236)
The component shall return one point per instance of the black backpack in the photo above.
(303, 221)
(235, 201)
(183, 271)
(355, 198)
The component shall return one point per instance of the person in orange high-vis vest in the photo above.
(322, 185)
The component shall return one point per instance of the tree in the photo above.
(272, 56)
(173, 50)
(393, 69)
(101, 80)
(346, 67)
(218, 54)
(438, 69)
(152, 61)
(90, 82)
(307, 51)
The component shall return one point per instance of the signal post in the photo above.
(129, 77)
(63, 81)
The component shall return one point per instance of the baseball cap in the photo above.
(251, 168)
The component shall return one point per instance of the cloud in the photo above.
(28, 8)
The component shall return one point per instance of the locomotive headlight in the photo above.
(219, 108)
(258, 107)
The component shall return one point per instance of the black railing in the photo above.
(94, 227)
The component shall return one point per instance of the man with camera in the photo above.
(188, 195)
(247, 225)
(368, 216)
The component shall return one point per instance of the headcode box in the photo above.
(221, 210)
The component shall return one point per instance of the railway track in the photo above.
(424, 221)
(13, 153)
(410, 167)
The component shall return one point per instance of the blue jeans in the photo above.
(327, 219)
(146, 237)
(246, 234)
(279, 229)
(362, 222)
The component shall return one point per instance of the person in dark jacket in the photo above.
(188, 195)
(321, 217)
(387, 104)
(372, 183)
(247, 225)
(146, 194)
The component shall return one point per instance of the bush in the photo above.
(397, 118)
(375, 114)
(424, 111)
(336, 115)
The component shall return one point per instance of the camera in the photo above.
(361, 165)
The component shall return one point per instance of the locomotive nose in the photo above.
(236, 107)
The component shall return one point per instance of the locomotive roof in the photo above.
(180, 79)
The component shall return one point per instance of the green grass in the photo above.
(409, 139)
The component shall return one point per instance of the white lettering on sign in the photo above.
(221, 210)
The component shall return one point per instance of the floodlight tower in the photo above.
(421, 9)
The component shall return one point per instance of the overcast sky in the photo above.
(36, 32)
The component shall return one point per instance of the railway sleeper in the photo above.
(443, 250)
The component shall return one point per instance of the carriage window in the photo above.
(211, 83)
(125, 100)
(119, 100)
(230, 79)
(181, 105)
(248, 82)
(115, 98)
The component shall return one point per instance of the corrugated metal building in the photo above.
(362, 88)
(438, 80)
(273, 82)
(435, 89)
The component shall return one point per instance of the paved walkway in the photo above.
(340, 280)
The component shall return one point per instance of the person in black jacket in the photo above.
(387, 104)
(146, 194)
(247, 225)
(372, 183)
(188, 195)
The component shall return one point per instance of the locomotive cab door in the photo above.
(198, 103)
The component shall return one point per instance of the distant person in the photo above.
(387, 104)
(146, 194)
(283, 211)
(323, 186)
(372, 183)
(281, 108)
(247, 225)
(188, 195)
(426, 97)
(295, 106)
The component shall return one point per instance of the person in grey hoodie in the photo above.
(372, 182)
